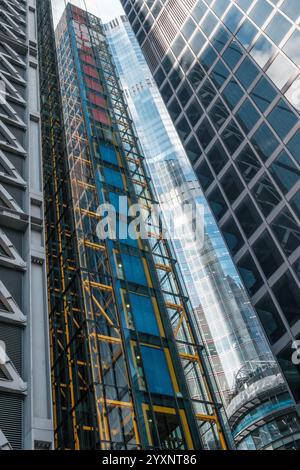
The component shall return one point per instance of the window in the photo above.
(261, 12)
(197, 42)
(232, 236)
(264, 142)
(247, 72)
(218, 114)
(208, 56)
(292, 47)
(196, 75)
(217, 203)
(278, 28)
(217, 157)
(267, 254)
(205, 133)
(184, 93)
(285, 172)
(233, 93)
(194, 112)
(282, 119)
(265, 194)
(294, 146)
(206, 93)
(247, 33)
(247, 116)
(290, 370)
(270, 319)
(178, 45)
(220, 38)
(287, 231)
(193, 150)
(295, 203)
(166, 92)
(232, 137)
(248, 217)
(174, 109)
(287, 294)
(219, 74)
(232, 185)
(143, 313)
(133, 269)
(233, 18)
(248, 164)
(156, 371)
(204, 174)
(176, 77)
(263, 94)
(232, 54)
(250, 275)
(183, 128)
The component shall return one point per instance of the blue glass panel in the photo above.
(134, 269)
(143, 313)
(157, 371)
(247, 72)
(282, 119)
(108, 154)
(294, 146)
(113, 178)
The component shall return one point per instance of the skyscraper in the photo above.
(243, 363)
(123, 346)
(25, 393)
(228, 73)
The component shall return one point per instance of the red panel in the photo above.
(98, 100)
(100, 116)
(93, 85)
(90, 71)
(88, 58)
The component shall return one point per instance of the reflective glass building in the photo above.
(127, 369)
(251, 386)
(228, 73)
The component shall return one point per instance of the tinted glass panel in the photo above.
(250, 275)
(267, 254)
(248, 217)
(232, 185)
(264, 142)
(282, 119)
(232, 236)
(290, 370)
(248, 164)
(265, 194)
(217, 157)
(285, 172)
(263, 94)
(270, 319)
(287, 294)
(287, 231)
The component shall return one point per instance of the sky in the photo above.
(105, 9)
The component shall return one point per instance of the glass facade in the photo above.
(244, 77)
(224, 316)
(128, 371)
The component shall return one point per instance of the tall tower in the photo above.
(123, 346)
(25, 393)
(242, 361)
(228, 73)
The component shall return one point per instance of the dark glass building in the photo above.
(123, 346)
(228, 72)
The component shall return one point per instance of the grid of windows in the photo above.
(248, 87)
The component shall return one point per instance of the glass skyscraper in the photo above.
(128, 370)
(228, 72)
(241, 358)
